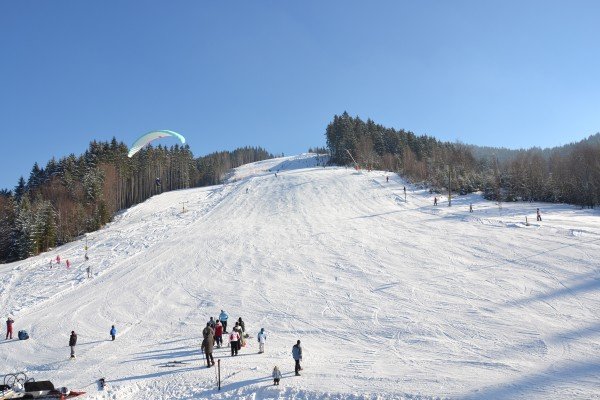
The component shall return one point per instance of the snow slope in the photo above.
(391, 298)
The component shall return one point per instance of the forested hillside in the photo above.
(569, 174)
(79, 194)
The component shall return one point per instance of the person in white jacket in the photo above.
(262, 338)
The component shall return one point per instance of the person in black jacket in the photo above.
(72, 343)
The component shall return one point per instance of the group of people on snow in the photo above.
(212, 335)
(73, 339)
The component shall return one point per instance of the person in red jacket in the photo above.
(9, 330)
(219, 334)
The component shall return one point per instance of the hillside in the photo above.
(391, 299)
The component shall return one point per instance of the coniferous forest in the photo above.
(79, 194)
(566, 174)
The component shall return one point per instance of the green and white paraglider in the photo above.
(149, 137)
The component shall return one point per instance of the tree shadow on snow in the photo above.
(241, 384)
(156, 374)
(591, 285)
(539, 383)
(167, 354)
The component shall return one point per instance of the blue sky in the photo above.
(273, 73)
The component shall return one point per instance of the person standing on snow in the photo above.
(242, 325)
(73, 343)
(435, 201)
(223, 317)
(262, 338)
(219, 334)
(9, 327)
(234, 342)
(539, 216)
(297, 354)
(208, 345)
(276, 375)
(113, 332)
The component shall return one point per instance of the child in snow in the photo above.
(113, 332)
(276, 375)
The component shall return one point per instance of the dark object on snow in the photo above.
(101, 383)
(23, 335)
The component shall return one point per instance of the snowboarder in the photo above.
(471, 207)
(234, 340)
(223, 318)
(219, 334)
(113, 332)
(73, 343)
(435, 201)
(539, 216)
(262, 338)
(9, 327)
(208, 345)
(297, 354)
(276, 375)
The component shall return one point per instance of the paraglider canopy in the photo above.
(149, 137)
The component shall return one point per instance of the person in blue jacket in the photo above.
(223, 318)
(113, 332)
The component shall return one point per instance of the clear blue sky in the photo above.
(273, 73)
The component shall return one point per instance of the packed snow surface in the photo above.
(391, 297)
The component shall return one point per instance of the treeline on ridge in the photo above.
(566, 174)
(75, 195)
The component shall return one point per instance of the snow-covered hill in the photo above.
(391, 298)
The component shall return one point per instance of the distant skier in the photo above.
(73, 343)
(297, 354)
(208, 345)
(68, 264)
(89, 271)
(435, 201)
(246, 190)
(223, 317)
(113, 332)
(219, 334)
(9, 328)
(387, 179)
(275, 174)
(58, 259)
(539, 216)
(262, 338)
(234, 340)
(471, 207)
(276, 375)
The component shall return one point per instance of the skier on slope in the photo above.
(262, 338)
(539, 216)
(223, 318)
(242, 325)
(9, 327)
(73, 343)
(113, 332)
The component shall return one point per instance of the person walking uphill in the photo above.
(297, 354)
(113, 332)
(223, 317)
(73, 343)
(9, 327)
(262, 338)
